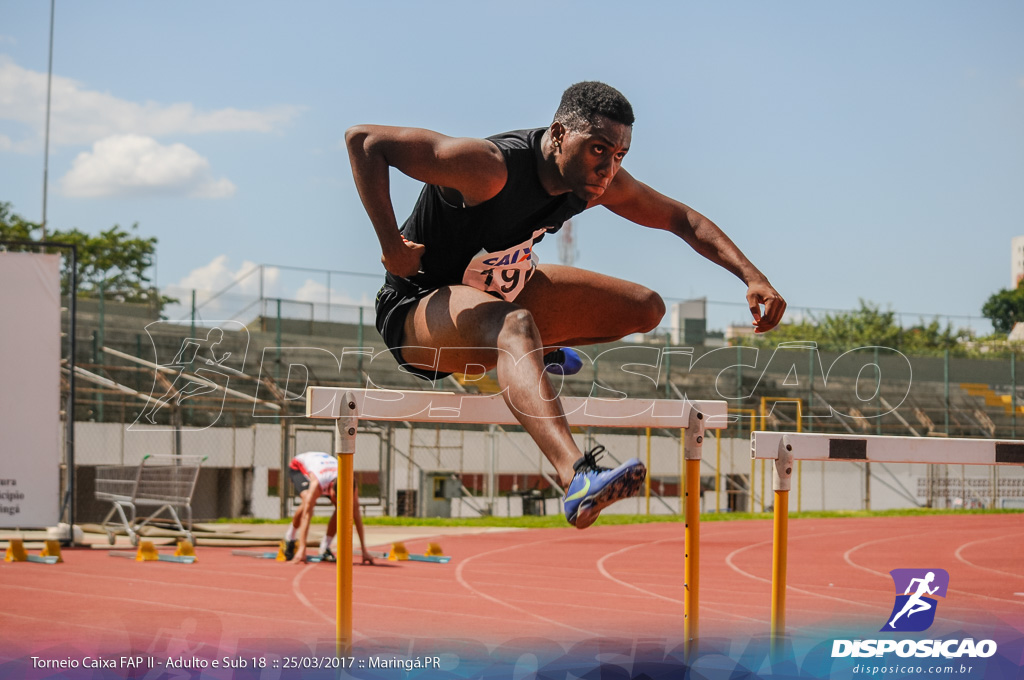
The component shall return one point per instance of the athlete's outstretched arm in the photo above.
(474, 168)
(640, 203)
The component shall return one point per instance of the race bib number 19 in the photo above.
(504, 272)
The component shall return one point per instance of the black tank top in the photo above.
(453, 235)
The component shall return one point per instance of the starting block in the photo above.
(262, 554)
(399, 553)
(147, 553)
(279, 555)
(16, 553)
(270, 555)
(185, 549)
(52, 549)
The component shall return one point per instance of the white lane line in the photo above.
(963, 559)
(50, 592)
(732, 565)
(297, 590)
(465, 584)
(604, 571)
(846, 556)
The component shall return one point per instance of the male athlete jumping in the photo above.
(463, 288)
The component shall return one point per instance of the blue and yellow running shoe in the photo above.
(594, 488)
(563, 361)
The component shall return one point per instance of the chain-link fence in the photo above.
(231, 389)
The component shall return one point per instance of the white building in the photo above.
(1016, 260)
(689, 322)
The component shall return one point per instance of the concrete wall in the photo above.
(239, 463)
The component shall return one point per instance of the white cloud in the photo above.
(222, 291)
(24, 146)
(218, 275)
(81, 116)
(133, 165)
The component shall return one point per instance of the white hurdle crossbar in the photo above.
(347, 406)
(880, 449)
(786, 447)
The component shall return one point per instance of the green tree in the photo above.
(14, 227)
(869, 326)
(1005, 308)
(115, 260)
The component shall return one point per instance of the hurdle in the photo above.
(786, 447)
(347, 406)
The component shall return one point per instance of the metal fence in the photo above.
(156, 386)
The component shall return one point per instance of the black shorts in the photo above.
(394, 302)
(299, 480)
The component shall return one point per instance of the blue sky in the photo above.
(860, 150)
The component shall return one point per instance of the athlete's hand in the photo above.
(762, 293)
(405, 260)
(368, 559)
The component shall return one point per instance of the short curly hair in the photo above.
(584, 102)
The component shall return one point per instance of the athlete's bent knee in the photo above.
(518, 326)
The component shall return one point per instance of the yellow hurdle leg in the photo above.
(691, 594)
(344, 594)
(647, 479)
(780, 537)
(782, 482)
(345, 448)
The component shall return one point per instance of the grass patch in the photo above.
(558, 522)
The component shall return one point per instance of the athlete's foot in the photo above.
(289, 550)
(594, 488)
(563, 361)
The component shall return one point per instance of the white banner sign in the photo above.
(30, 351)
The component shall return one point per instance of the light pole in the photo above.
(46, 151)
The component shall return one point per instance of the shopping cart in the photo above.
(165, 482)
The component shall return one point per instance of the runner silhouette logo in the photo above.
(915, 605)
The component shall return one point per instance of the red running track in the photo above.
(562, 585)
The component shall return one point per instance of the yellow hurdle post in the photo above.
(682, 470)
(782, 480)
(691, 564)
(647, 479)
(345, 448)
(753, 499)
(718, 471)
